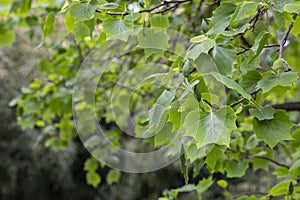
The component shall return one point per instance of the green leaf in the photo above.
(203, 47)
(164, 136)
(174, 116)
(205, 64)
(7, 37)
(231, 84)
(222, 183)
(49, 25)
(281, 172)
(278, 63)
(162, 104)
(204, 184)
(236, 169)
(193, 153)
(92, 178)
(108, 6)
(295, 169)
(91, 164)
(259, 44)
(81, 31)
(69, 22)
(292, 7)
(264, 113)
(184, 166)
(252, 142)
(221, 18)
(199, 39)
(216, 154)
(159, 21)
(244, 11)
(281, 188)
(113, 176)
(225, 58)
(282, 79)
(210, 127)
(274, 130)
(83, 11)
(117, 28)
(249, 80)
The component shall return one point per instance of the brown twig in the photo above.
(286, 35)
(273, 161)
(213, 106)
(167, 4)
(252, 22)
(216, 2)
(248, 48)
(243, 98)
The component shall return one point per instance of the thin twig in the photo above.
(252, 22)
(151, 9)
(273, 161)
(211, 105)
(248, 48)
(286, 35)
(243, 98)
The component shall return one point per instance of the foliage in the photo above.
(232, 90)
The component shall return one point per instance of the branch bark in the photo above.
(292, 106)
(285, 37)
(169, 5)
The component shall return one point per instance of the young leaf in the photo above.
(49, 25)
(274, 130)
(113, 176)
(91, 164)
(222, 183)
(199, 39)
(92, 178)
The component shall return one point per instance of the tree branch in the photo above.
(167, 4)
(286, 35)
(293, 106)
